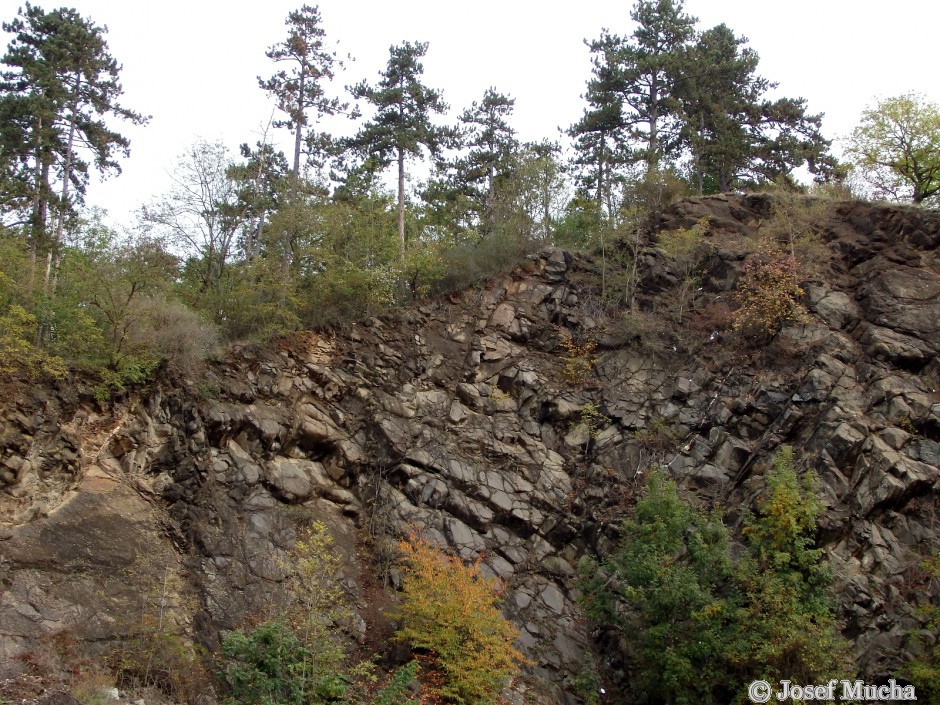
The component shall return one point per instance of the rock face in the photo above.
(471, 421)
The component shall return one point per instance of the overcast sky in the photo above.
(194, 65)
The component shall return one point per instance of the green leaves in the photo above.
(668, 96)
(59, 87)
(302, 86)
(785, 623)
(670, 572)
(403, 106)
(698, 626)
(402, 124)
(896, 148)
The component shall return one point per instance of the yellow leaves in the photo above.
(685, 244)
(578, 360)
(18, 351)
(450, 609)
(313, 579)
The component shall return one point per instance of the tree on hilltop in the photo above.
(601, 135)
(402, 124)
(464, 189)
(58, 86)
(896, 148)
(493, 144)
(667, 96)
(733, 132)
(301, 87)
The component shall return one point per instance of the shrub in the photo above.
(170, 331)
(768, 293)
(160, 656)
(784, 624)
(664, 591)
(924, 670)
(796, 225)
(398, 689)
(653, 192)
(299, 657)
(347, 292)
(158, 653)
(658, 437)
(450, 610)
(593, 418)
(130, 372)
(715, 317)
(270, 666)
(687, 248)
(18, 351)
(699, 627)
(578, 360)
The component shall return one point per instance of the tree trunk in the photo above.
(490, 198)
(698, 155)
(724, 183)
(52, 261)
(36, 224)
(546, 210)
(652, 158)
(401, 204)
(298, 126)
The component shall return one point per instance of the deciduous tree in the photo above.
(896, 148)
(451, 610)
(197, 213)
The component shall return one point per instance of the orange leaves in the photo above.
(450, 610)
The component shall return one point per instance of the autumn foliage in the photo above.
(450, 610)
(768, 293)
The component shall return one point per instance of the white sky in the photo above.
(194, 65)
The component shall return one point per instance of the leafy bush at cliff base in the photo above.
(667, 593)
(924, 670)
(450, 610)
(785, 627)
(298, 657)
(398, 689)
(270, 666)
(699, 627)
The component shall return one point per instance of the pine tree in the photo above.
(649, 62)
(259, 184)
(460, 196)
(732, 130)
(302, 87)
(402, 124)
(601, 136)
(59, 87)
(717, 93)
(493, 144)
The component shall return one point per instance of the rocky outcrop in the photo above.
(462, 419)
